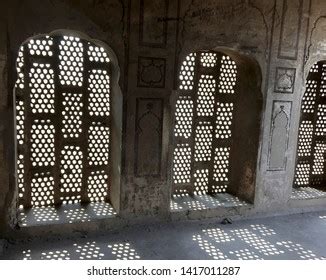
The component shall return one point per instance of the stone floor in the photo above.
(66, 214)
(307, 193)
(300, 236)
(202, 202)
(80, 214)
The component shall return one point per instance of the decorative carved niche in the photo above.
(290, 29)
(148, 137)
(279, 135)
(151, 72)
(152, 26)
(285, 80)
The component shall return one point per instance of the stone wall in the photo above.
(151, 38)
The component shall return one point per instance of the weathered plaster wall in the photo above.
(241, 25)
(283, 87)
(316, 41)
(150, 39)
(4, 164)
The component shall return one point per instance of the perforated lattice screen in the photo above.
(203, 123)
(63, 121)
(310, 168)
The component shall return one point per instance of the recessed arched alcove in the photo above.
(309, 177)
(68, 128)
(216, 128)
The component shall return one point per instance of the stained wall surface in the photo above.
(151, 38)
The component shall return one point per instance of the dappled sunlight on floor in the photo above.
(65, 214)
(250, 243)
(202, 202)
(90, 250)
(294, 237)
(307, 193)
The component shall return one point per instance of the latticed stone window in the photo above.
(310, 166)
(203, 123)
(63, 113)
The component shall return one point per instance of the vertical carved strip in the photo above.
(148, 142)
(152, 23)
(279, 135)
(290, 29)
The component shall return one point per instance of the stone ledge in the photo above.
(66, 214)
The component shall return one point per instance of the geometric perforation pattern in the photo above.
(98, 144)
(228, 75)
(97, 54)
(187, 72)
(42, 88)
(309, 98)
(20, 117)
(204, 112)
(206, 95)
(19, 67)
(302, 174)
(72, 115)
(63, 114)
(43, 143)
(319, 158)
(99, 96)
(208, 59)
(310, 166)
(182, 164)
(263, 246)
(221, 164)
(305, 138)
(97, 186)
(203, 141)
(71, 61)
(41, 47)
(42, 190)
(184, 117)
(323, 81)
(71, 165)
(314, 68)
(321, 120)
(20, 175)
(201, 181)
(224, 116)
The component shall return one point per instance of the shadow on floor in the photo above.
(299, 236)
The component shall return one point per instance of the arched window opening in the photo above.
(210, 154)
(64, 121)
(309, 179)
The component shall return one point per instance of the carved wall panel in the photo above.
(290, 29)
(151, 72)
(211, 23)
(285, 80)
(153, 26)
(148, 142)
(149, 76)
(279, 135)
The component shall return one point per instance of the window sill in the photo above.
(307, 193)
(204, 202)
(66, 214)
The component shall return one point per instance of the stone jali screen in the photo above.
(203, 123)
(63, 121)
